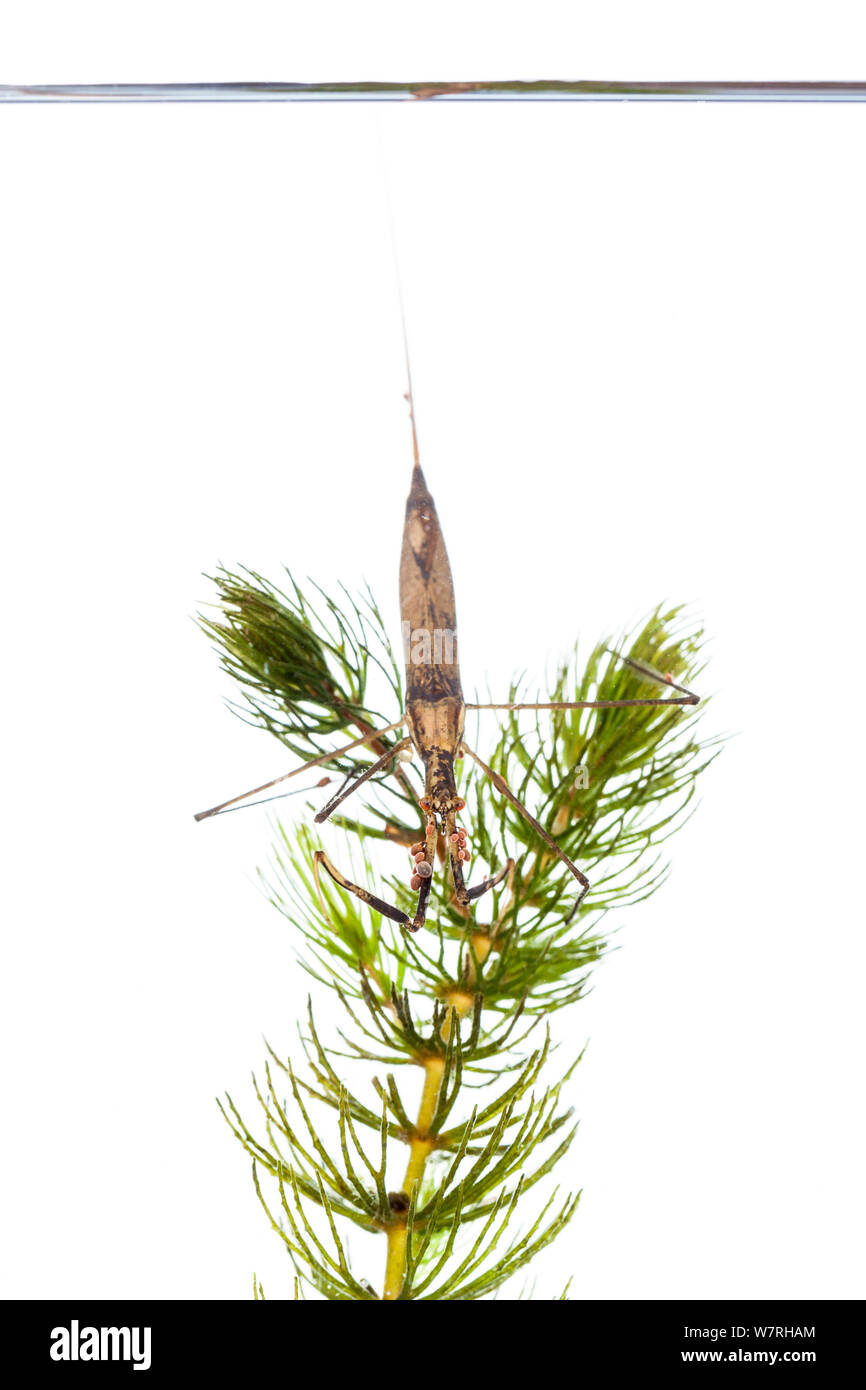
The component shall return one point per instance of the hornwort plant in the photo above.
(609, 769)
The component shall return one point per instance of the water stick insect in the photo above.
(434, 717)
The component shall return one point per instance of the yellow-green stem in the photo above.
(421, 1145)
(419, 1149)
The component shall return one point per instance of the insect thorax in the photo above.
(436, 728)
(436, 725)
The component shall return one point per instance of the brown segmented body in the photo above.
(434, 715)
(434, 697)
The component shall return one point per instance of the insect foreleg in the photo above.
(345, 792)
(502, 786)
(455, 839)
(472, 893)
(386, 909)
(396, 914)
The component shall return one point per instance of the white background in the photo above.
(637, 342)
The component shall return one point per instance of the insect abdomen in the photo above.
(427, 609)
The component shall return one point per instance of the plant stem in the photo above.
(421, 1145)
(419, 1149)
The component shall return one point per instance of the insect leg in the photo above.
(345, 791)
(476, 892)
(687, 697)
(313, 762)
(455, 839)
(386, 909)
(423, 855)
(590, 704)
(396, 914)
(502, 786)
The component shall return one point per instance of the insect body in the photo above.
(434, 717)
(435, 709)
